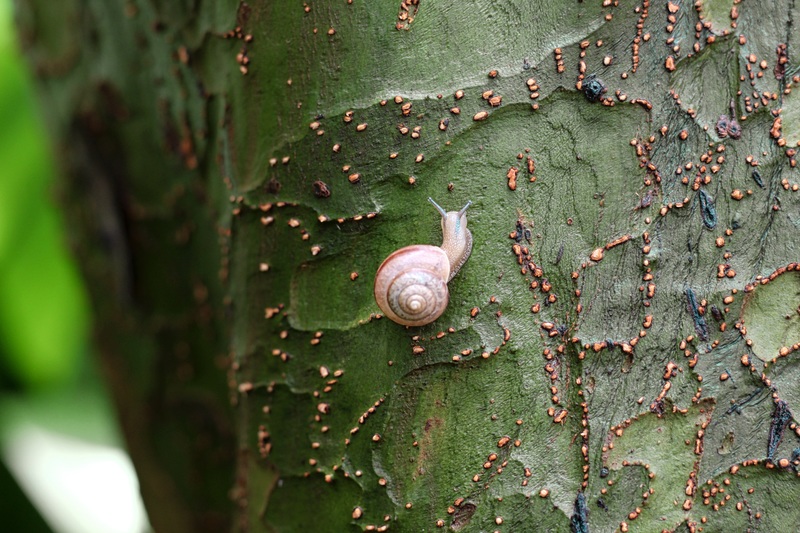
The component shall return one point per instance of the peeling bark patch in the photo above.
(321, 189)
(432, 431)
(463, 515)
(431, 423)
(406, 14)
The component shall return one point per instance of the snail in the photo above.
(411, 284)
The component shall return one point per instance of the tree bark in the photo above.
(620, 351)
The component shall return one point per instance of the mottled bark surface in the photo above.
(616, 350)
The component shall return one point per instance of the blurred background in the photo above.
(62, 464)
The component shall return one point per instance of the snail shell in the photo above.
(411, 284)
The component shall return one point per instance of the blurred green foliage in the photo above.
(44, 316)
(43, 310)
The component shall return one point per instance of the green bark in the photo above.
(234, 307)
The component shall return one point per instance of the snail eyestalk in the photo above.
(438, 207)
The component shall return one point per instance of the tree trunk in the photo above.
(620, 350)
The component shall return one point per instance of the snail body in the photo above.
(411, 284)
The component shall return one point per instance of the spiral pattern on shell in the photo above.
(411, 284)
